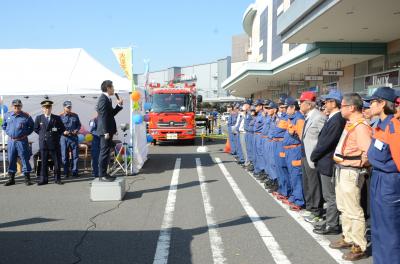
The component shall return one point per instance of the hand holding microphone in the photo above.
(119, 101)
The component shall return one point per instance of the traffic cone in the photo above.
(227, 148)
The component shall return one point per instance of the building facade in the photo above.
(317, 45)
(208, 77)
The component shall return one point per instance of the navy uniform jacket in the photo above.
(247, 120)
(49, 132)
(259, 123)
(18, 126)
(71, 122)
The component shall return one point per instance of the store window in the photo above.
(376, 65)
(394, 60)
(361, 68)
(359, 84)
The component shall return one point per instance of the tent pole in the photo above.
(131, 130)
(3, 139)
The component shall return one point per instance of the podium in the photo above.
(107, 191)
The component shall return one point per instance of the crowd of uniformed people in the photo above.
(335, 159)
(58, 142)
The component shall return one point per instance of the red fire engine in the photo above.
(172, 116)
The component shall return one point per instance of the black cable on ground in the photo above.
(93, 225)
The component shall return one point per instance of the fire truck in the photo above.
(172, 115)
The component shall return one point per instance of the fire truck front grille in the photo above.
(171, 124)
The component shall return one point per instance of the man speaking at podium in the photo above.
(106, 126)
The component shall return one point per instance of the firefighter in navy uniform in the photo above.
(49, 127)
(384, 156)
(18, 125)
(69, 139)
(258, 147)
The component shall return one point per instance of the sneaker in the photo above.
(312, 219)
(305, 213)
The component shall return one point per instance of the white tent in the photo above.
(61, 74)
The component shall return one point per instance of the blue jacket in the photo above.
(267, 125)
(295, 125)
(71, 122)
(381, 159)
(259, 123)
(18, 125)
(279, 127)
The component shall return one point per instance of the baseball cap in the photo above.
(67, 103)
(16, 102)
(308, 96)
(384, 93)
(333, 95)
(259, 102)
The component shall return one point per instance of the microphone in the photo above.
(116, 96)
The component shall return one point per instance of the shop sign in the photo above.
(314, 78)
(332, 73)
(388, 79)
(296, 82)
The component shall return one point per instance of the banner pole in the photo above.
(3, 139)
(132, 139)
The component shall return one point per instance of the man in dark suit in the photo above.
(106, 126)
(322, 156)
(49, 127)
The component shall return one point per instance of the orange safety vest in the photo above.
(391, 137)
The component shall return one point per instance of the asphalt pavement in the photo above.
(183, 207)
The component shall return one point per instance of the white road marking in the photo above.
(164, 239)
(215, 238)
(267, 237)
(320, 239)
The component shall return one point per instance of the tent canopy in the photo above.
(53, 72)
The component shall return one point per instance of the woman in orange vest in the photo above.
(384, 156)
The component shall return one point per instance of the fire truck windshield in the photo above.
(172, 103)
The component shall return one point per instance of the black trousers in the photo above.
(106, 146)
(55, 155)
(312, 189)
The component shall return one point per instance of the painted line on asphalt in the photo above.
(217, 248)
(164, 239)
(320, 239)
(267, 237)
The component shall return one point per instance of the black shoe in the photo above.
(108, 178)
(75, 174)
(41, 183)
(328, 230)
(27, 178)
(59, 182)
(10, 181)
(261, 178)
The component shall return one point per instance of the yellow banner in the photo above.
(124, 57)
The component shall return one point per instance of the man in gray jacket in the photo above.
(314, 122)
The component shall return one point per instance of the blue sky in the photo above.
(168, 33)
